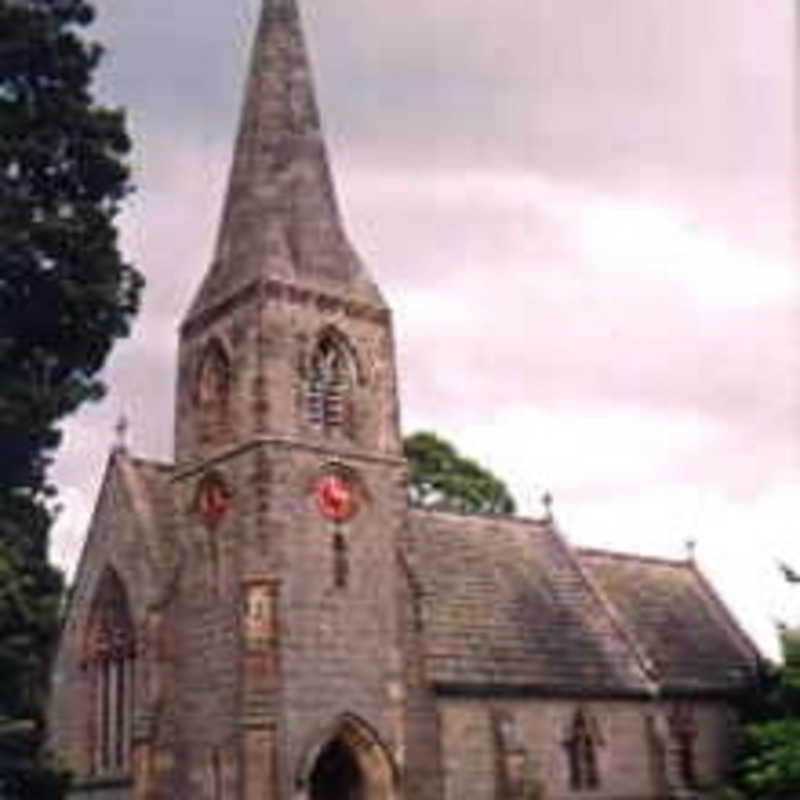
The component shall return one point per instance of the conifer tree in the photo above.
(65, 296)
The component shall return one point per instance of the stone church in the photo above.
(266, 618)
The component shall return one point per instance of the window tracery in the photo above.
(581, 747)
(330, 384)
(516, 773)
(110, 650)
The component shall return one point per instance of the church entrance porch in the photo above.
(337, 775)
(350, 763)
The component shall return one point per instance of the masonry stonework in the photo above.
(290, 628)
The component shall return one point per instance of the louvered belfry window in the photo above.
(329, 385)
(109, 666)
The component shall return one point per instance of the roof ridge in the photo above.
(514, 519)
(641, 557)
(675, 613)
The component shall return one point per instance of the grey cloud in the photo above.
(631, 95)
(525, 79)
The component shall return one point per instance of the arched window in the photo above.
(110, 651)
(516, 773)
(330, 384)
(581, 748)
(212, 393)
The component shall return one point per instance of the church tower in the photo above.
(289, 476)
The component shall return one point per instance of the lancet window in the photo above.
(516, 778)
(581, 749)
(330, 384)
(683, 733)
(212, 393)
(110, 651)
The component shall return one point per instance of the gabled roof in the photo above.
(132, 510)
(149, 487)
(506, 606)
(147, 482)
(677, 618)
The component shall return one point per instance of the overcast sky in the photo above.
(582, 214)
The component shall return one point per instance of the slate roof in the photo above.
(678, 620)
(506, 605)
(148, 483)
(150, 491)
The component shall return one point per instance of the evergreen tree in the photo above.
(65, 297)
(442, 479)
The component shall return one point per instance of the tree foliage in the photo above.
(65, 293)
(442, 479)
(65, 296)
(29, 598)
(769, 764)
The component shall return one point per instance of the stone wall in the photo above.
(627, 764)
(115, 541)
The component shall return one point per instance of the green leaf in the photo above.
(443, 480)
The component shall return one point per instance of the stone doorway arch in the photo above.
(348, 762)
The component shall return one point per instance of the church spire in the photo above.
(280, 219)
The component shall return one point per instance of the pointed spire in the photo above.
(280, 218)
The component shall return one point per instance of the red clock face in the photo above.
(335, 498)
(214, 502)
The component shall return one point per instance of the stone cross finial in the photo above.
(121, 433)
(547, 504)
(691, 549)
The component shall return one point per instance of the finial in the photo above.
(691, 549)
(547, 503)
(121, 433)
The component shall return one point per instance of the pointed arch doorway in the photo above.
(348, 763)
